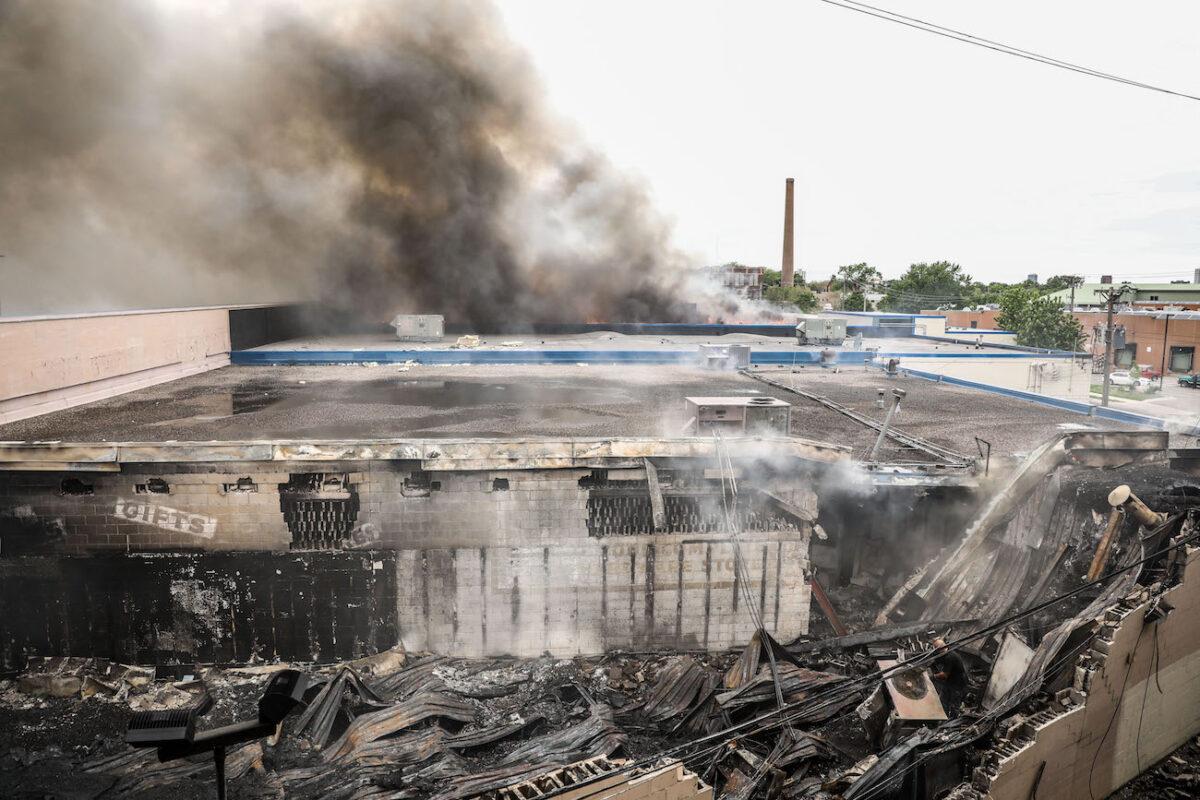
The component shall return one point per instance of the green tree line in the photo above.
(1026, 309)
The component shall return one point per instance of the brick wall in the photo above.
(1135, 694)
(1145, 331)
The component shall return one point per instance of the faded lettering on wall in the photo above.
(169, 519)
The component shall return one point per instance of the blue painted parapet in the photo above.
(1054, 402)
(795, 357)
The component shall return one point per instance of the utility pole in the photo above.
(1111, 296)
(1162, 369)
(1072, 282)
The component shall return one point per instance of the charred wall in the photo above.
(519, 561)
(206, 607)
(878, 537)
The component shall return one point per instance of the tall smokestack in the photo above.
(788, 270)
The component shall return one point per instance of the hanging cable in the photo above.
(966, 38)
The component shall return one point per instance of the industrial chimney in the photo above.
(788, 269)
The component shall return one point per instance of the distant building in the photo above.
(1162, 341)
(746, 281)
(1144, 295)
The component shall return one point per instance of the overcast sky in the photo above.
(905, 146)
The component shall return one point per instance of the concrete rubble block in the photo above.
(43, 685)
(382, 663)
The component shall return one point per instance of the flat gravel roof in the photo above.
(507, 401)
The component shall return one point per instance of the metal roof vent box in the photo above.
(754, 414)
(725, 356)
(419, 327)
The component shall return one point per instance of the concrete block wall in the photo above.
(539, 507)
(196, 512)
(589, 596)
(1138, 689)
(465, 510)
(480, 569)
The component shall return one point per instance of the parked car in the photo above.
(1151, 372)
(1123, 378)
(1191, 381)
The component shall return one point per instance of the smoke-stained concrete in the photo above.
(381, 156)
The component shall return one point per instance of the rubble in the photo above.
(855, 715)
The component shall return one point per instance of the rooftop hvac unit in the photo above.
(419, 327)
(740, 415)
(725, 356)
(811, 329)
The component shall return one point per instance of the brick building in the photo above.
(1166, 340)
(746, 281)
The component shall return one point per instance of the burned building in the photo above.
(530, 567)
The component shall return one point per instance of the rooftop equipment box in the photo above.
(812, 329)
(740, 415)
(725, 356)
(419, 327)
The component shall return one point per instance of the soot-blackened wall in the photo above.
(206, 607)
(520, 561)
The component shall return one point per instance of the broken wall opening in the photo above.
(320, 509)
(876, 537)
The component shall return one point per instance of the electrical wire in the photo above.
(966, 38)
(1052, 668)
(824, 698)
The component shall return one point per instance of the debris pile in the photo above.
(997, 636)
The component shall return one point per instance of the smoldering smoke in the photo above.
(382, 156)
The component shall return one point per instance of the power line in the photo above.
(823, 698)
(966, 38)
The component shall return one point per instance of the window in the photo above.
(1182, 359)
(1153, 297)
(1126, 356)
(974, 323)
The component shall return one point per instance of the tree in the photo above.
(1014, 303)
(1060, 282)
(771, 277)
(857, 276)
(857, 301)
(982, 294)
(797, 296)
(853, 280)
(927, 286)
(1045, 324)
(1038, 321)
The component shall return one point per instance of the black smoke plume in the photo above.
(381, 156)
